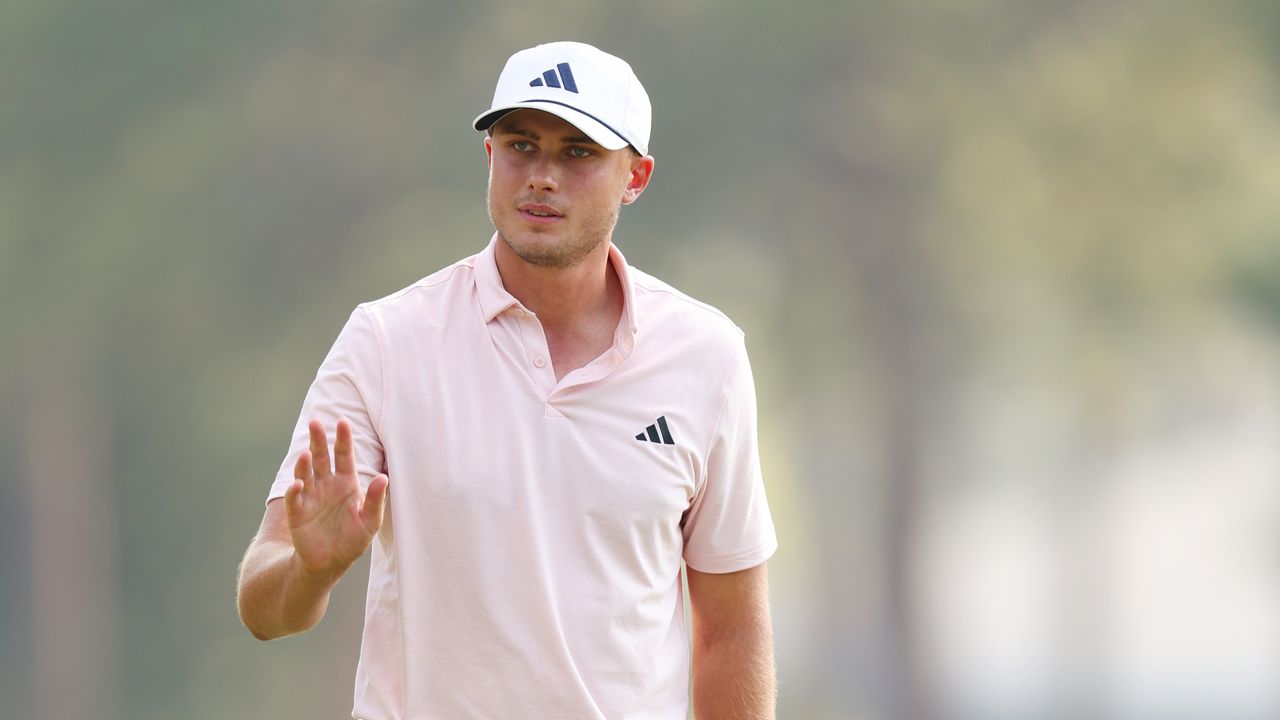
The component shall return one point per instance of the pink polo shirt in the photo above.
(529, 562)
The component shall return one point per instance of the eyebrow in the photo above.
(568, 139)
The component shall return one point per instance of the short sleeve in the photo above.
(348, 384)
(728, 526)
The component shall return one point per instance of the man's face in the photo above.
(554, 194)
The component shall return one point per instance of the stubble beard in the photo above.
(597, 227)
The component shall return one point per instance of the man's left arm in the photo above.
(733, 671)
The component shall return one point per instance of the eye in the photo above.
(521, 145)
(580, 152)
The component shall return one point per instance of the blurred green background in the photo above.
(1009, 272)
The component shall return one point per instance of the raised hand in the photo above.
(330, 521)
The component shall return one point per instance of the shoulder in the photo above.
(435, 284)
(431, 294)
(659, 304)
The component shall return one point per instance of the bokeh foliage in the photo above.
(935, 220)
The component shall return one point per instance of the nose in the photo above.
(542, 176)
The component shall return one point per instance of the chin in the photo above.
(542, 249)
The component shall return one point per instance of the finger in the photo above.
(374, 503)
(293, 502)
(319, 450)
(344, 460)
(302, 468)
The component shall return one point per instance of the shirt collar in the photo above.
(495, 300)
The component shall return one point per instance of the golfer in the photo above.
(531, 440)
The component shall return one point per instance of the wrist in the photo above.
(314, 579)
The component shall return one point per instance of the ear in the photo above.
(638, 180)
(488, 151)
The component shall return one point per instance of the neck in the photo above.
(562, 298)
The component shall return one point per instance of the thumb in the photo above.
(374, 502)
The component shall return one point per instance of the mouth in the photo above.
(538, 213)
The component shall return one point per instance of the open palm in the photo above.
(331, 521)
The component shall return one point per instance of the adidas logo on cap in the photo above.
(549, 78)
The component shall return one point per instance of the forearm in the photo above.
(275, 596)
(734, 677)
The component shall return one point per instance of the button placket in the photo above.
(536, 348)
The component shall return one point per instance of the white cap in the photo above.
(584, 85)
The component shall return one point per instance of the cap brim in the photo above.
(605, 136)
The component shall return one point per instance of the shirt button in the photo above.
(539, 362)
(626, 345)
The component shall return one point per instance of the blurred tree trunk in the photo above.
(894, 276)
(903, 408)
(72, 543)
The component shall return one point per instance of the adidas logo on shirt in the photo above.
(550, 78)
(650, 433)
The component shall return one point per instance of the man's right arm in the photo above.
(308, 539)
(276, 597)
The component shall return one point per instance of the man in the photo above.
(531, 440)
